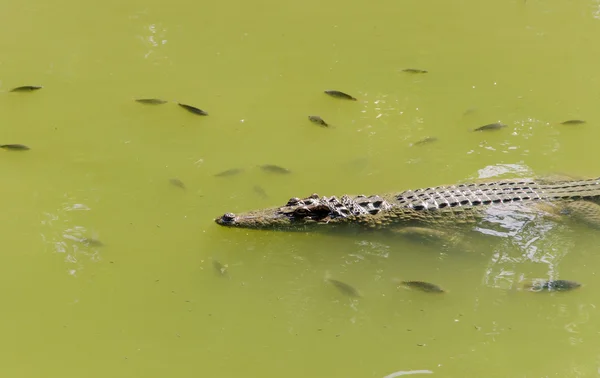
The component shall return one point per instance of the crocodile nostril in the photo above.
(228, 217)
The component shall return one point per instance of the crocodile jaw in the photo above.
(256, 220)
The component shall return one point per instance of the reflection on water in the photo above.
(154, 40)
(78, 244)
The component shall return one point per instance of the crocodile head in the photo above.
(308, 213)
(297, 214)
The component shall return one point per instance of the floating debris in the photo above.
(414, 71)
(338, 94)
(554, 285)
(220, 268)
(230, 172)
(344, 288)
(423, 286)
(274, 169)
(193, 109)
(15, 147)
(151, 101)
(491, 126)
(177, 182)
(318, 120)
(27, 88)
(573, 122)
(425, 141)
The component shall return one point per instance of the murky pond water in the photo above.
(109, 243)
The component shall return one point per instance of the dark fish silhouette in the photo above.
(425, 141)
(554, 285)
(573, 122)
(14, 147)
(90, 242)
(491, 126)
(338, 94)
(177, 182)
(423, 286)
(318, 120)
(344, 288)
(151, 101)
(193, 109)
(230, 172)
(275, 169)
(414, 70)
(260, 191)
(26, 88)
(220, 268)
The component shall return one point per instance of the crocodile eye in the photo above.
(293, 201)
(301, 211)
(228, 217)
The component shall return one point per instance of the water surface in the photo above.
(148, 302)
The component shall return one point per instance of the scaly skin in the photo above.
(441, 207)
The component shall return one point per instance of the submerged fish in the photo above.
(220, 268)
(424, 233)
(425, 141)
(344, 288)
(554, 285)
(414, 70)
(14, 147)
(193, 109)
(230, 172)
(90, 242)
(491, 126)
(573, 122)
(274, 169)
(260, 191)
(26, 88)
(423, 286)
(338, 94)
(177, 182)
(318, 120)
(151, 101)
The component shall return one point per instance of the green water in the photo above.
(148, 303)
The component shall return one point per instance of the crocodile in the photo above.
(442, 207)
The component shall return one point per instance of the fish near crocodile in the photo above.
(445, 207)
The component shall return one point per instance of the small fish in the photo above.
(26, 88)
(414, 71)
(425, 141)
(338, 94)
(275, 169)
(423, 286)
(177, 182)
(151, 101)
(318, 120)
(469, 111)
(192, 109)
(555, 285)
(230, 172)
(90, 242)
(15, 147)
(573, 122)
(220, 268)
(344, 288)
(491, 126)
(260, 191)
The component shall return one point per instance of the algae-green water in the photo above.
(148, 302)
